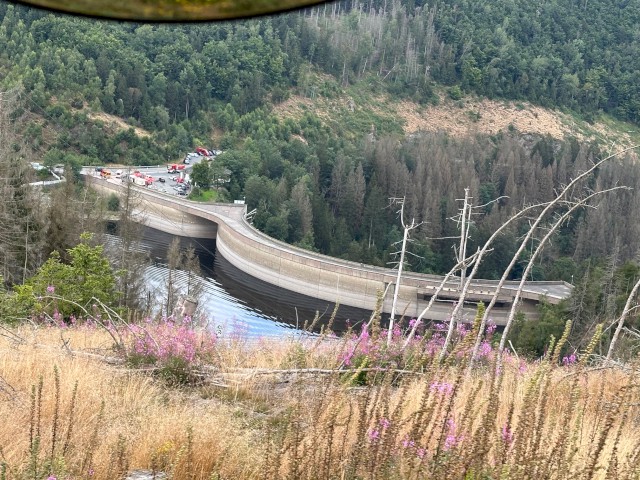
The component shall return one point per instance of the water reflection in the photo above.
(235, 301)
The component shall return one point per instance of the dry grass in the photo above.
(533, 421)
(151, 421)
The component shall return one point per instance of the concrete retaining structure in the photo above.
(320, 276)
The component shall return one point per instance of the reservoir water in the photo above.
(233, 301)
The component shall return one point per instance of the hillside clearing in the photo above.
(469, 116)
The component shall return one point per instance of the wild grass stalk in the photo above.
(92, 445)
(56, 412)
(70, 419)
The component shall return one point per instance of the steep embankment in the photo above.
(458, 118)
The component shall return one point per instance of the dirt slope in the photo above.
(465, 117)
(116, 123)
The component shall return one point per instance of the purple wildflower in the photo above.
(51, 289)
(452, 439)
(485, 349)
(348, 355)
(507, 434)
(406, 443)
(442, 387)
(462, 329)
(491, 327)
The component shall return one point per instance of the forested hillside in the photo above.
(322, 177)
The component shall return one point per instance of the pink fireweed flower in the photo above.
(462, 329)
(58, 320)
(51, 289)
(384, 422)
(434, 345)
(485, 349)
(569, 360)
(397, 331)
(364, 340)
(450, 442)
(168, 340)
(374, 435)
(443, 388)
(52, 477)
(523, 367)
(421, 452)
(406, 443)
(452, 439)
(507, 434)
(347, 356)
(491, 327)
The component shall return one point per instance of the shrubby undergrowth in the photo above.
(174, 346)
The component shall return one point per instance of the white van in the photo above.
(118, 173)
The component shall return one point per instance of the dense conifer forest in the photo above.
(323, 181)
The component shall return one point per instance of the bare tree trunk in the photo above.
(534, 226)
(463, 268)
(407, 229)
(545, 239)
(174, 260)
(132, 262)
(467, 261)
(623, 317)
(396, 290)
(474, 271)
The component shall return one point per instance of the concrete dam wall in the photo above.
(320, 276)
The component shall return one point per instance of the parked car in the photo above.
(161, 180)
(182, 193)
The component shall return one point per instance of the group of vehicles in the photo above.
(175, 168)
(201, 152)
(181, 179)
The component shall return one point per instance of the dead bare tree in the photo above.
(625, 312)
(549, 207)
(480, 255)
(131, 259)
(407, 228)
(21, 207)
(563, 218)
(465, 222)
(471, 260)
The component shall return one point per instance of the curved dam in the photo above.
(316, 275)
